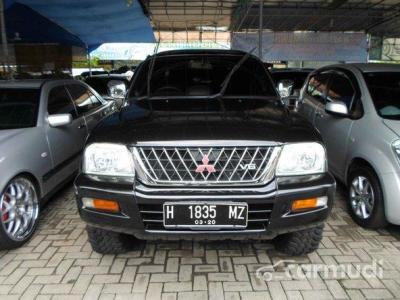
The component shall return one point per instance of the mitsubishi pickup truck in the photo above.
(204, 149)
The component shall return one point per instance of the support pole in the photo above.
(4, 38)
(89, 61)
(260, 29)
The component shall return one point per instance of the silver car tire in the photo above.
(19, 212)
(365, 198)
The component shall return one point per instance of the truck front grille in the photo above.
(206, 165)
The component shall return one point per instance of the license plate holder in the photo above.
(210, 215)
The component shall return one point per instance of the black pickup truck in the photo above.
(204, 150)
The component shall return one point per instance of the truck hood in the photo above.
(268, 122)
(394, 125)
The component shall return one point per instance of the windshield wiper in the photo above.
(227, 79)
(236, 67)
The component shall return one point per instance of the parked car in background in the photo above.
(356, 108)
(205, 150)
(43, 128)
(295, 78)
(110, 86)
(289, 83)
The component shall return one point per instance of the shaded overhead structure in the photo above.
(379, 17)
(24, 25)
(95, 22)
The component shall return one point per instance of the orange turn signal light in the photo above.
(304, 204)
(107, 205)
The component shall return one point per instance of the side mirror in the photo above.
(116, 89)
(337, 108)
(59, 120)
(285, 88)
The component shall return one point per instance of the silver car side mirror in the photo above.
(285, 88)
(59, 120)
(116, 89)
(337, 108)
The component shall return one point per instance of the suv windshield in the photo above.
(202, 75)
(384, 88)
(18, 108)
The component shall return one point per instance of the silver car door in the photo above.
(88, 105)
(335, 130)
(314, 95)
(65, 142)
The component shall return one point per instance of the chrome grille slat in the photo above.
(214, 164)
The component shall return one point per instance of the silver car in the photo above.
(356, 108)
(43, 128)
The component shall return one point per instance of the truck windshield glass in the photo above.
(203, 75)
(18, 108)
(384, 88)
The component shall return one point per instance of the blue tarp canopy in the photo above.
(78, 22)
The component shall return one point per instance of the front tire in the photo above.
(365, 198)
(107, 242)
(19, 212)
(300, 242)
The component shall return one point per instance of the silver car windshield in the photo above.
(384, 88)
(18, 108)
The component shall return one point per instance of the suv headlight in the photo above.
(301, 159)
(396, 148)
(108, 160)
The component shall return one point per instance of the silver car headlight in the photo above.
(301, 159)
(396, 148)
(108, 160)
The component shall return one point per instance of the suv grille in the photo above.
(206, 165)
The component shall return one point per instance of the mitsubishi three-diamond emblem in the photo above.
(205, 166)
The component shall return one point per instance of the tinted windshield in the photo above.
(384, 88)
(18, 108)
(202, 75)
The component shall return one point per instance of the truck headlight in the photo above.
(301, 159)
(108, 160)
(396, 148)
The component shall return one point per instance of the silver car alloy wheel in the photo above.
(19, 209)
(362, 197)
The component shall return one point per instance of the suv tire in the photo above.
(376, 218)
(107, 242)
(300, 242)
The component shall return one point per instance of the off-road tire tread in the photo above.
(300, 242)
(106, 242)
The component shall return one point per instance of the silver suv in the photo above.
(356, 108)
(43, 129)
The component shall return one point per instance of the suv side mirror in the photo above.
(285, 88)
(116, 89)
(59, 120)
(337, 108)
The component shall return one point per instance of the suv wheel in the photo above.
(19, 212)
(300, 242)
(365, 198)
(107, 242)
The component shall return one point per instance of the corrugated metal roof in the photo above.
(380, 17)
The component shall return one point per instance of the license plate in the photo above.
(205, 215)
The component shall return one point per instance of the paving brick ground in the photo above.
(58, 263)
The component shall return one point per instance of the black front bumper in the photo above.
(269, 206)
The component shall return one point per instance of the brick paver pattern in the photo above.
(58, 263)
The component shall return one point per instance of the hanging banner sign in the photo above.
(306, 46)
